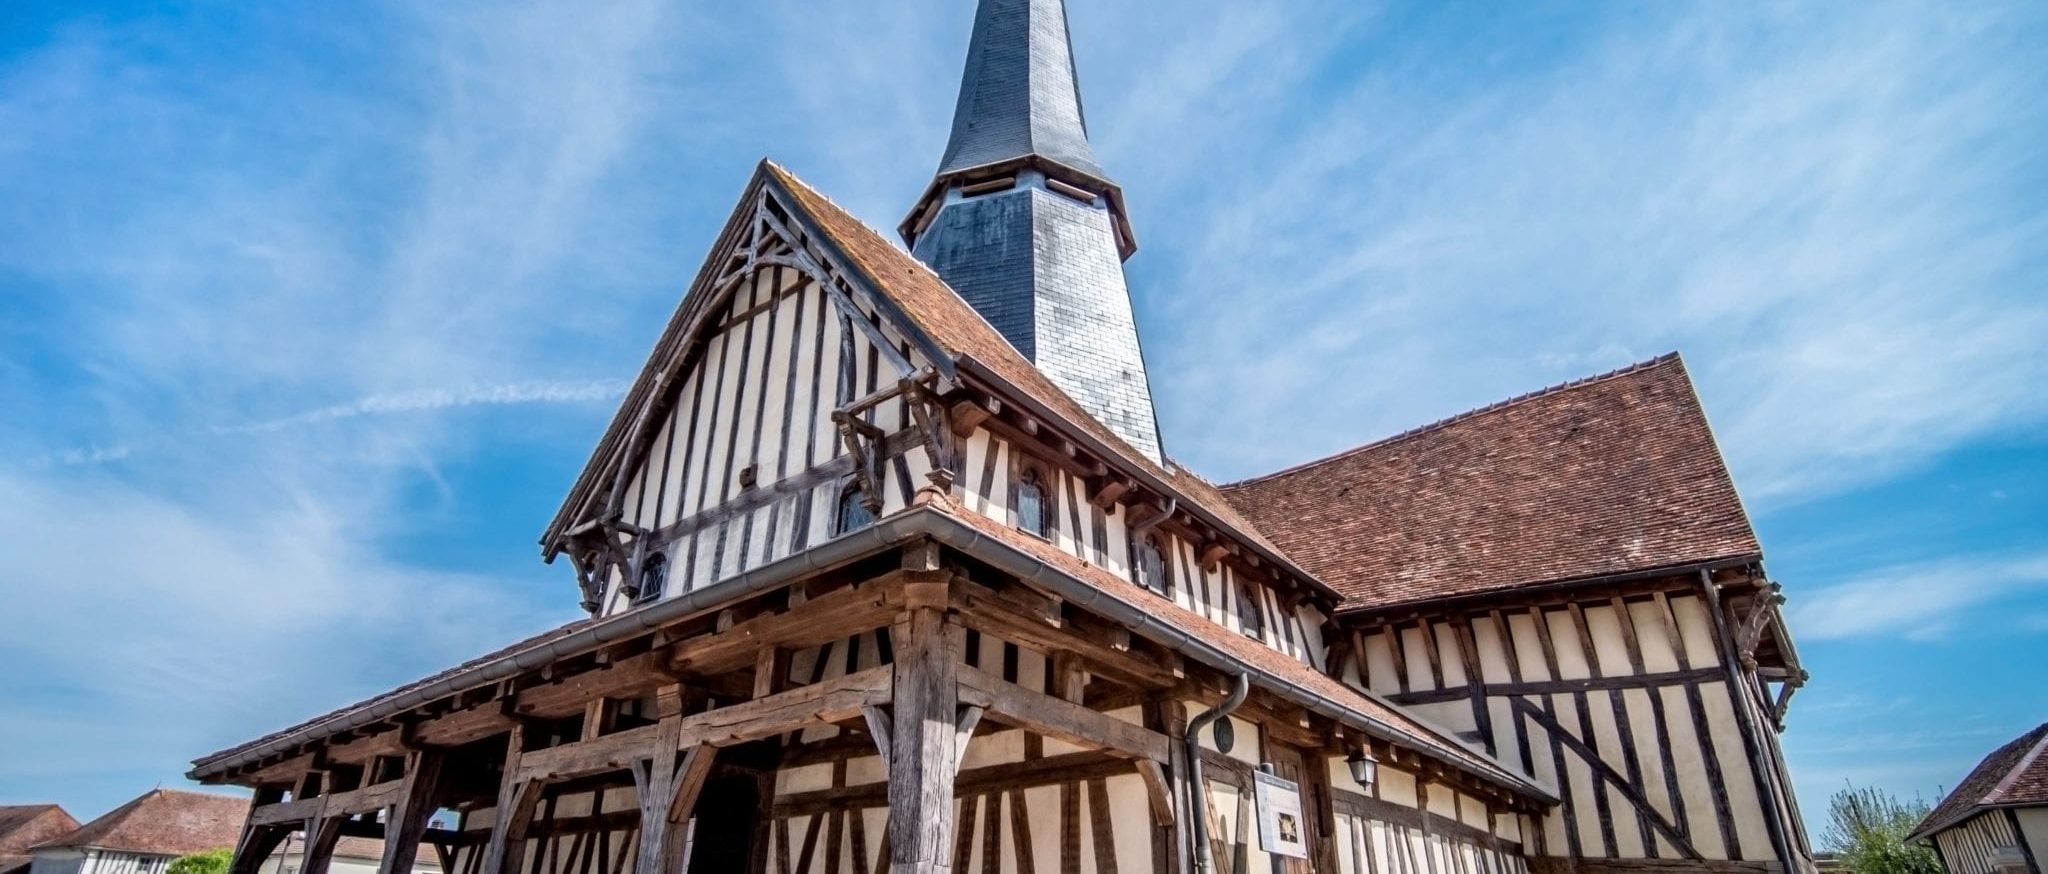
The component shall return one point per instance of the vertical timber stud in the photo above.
(517, 799)
(1746, 720)
(323, 833)
(406, 821)
(258, 841)
(925, 753)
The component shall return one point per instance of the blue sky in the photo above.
(309, 312)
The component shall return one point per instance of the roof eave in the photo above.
(1010, 393)
(1559, 585)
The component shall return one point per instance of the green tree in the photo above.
(1868, 827)
(209, 862)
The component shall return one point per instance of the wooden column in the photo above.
(668, 785)
(258, 841)
(517, 798)
(322, 834)
(925, 754)
(406, 820)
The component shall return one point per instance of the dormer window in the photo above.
(1031, 509)
(653, 578)
(1150, 565)
(853, 513)
(1249, 616)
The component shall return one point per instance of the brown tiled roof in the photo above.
(951, 322)
(2013, 775)
(1610, 475)
(534, 641)
(25, 825)
(1418, 735)
(164, 822)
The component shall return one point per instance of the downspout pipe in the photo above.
(1196, 787)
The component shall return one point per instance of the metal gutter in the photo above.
(1198, 788)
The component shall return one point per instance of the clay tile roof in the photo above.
(26, 825)
(1417, 735)
(1614, 474)
(2014, 775)
(955, 325)
(164, 822)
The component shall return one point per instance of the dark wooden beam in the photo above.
(924, 757)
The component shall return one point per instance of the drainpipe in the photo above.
(1197, 790)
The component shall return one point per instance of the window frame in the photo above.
(1249, 603)
(642, 593)
(1139, 544)
(849, 489)
(1037, 473)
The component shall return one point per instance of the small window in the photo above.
(653, 578)
(1031, 515)
(1150, 565)
(1249, 617)
(853, 512)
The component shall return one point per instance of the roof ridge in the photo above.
(2020, 767)
(1628, 370)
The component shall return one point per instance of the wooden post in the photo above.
(258, 841)
(322, 834)
(517, 799)
(925, 754)
(406, 821)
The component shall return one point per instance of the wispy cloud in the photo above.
(1820, 210)
(1922, 601)
(415, 401)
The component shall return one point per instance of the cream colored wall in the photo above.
(778, 367)
(1666, 734)
(1970, 848)
(984, 487)
(2034, 830)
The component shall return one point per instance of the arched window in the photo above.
(653, 577)
(1150, 565)
(1031, 515)
(853, 512)
(1249, 617)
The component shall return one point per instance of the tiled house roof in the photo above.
(2013, 775)
(1610, 475)
(25, 825)
(164, 822)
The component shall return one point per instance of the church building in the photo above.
(888, 568)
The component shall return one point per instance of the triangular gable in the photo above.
(982, 354)
(781, 377)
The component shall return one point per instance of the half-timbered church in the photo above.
(888, 569)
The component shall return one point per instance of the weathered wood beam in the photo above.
(925, 753)
(1029, 619)
(406, 820)
(517, 798)
(1048, 771)
(258, 841)
(1038, 712)
(322, 835)
(830, 701)
(831, 616)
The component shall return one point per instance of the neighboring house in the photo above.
(1996, 820)
(351, 856)
(25, 825)
(144, 835)
(887, 567)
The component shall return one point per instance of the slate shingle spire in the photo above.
(1024, 223)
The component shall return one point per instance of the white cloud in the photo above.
(1820, 210)
(1918, 601)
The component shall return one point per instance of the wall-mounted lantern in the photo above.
(1365, 769)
